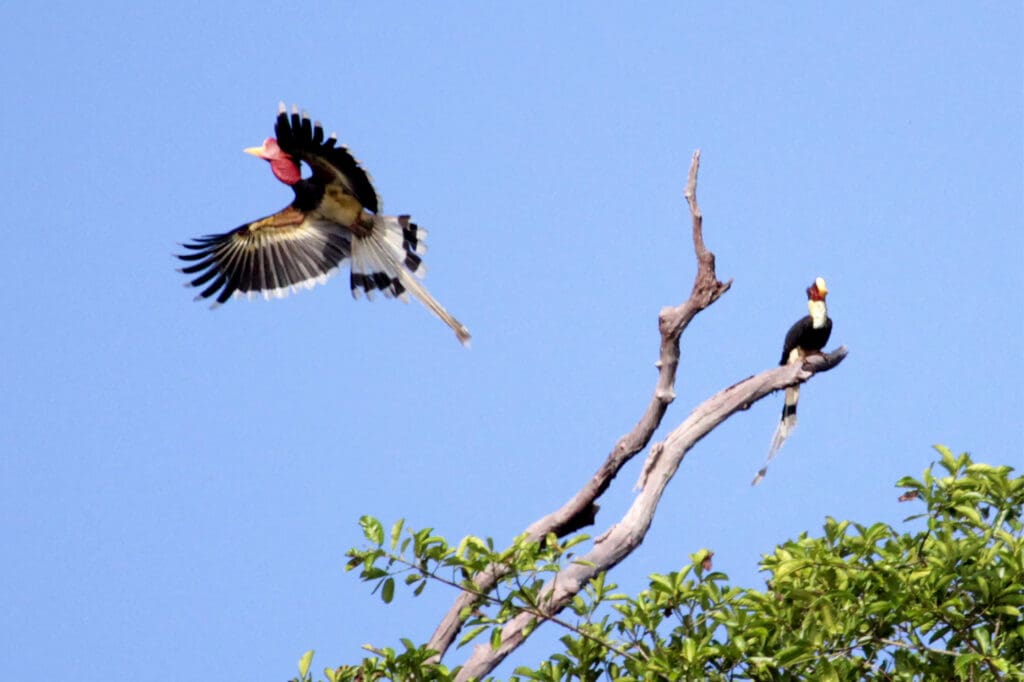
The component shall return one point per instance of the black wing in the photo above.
(794, 336)
(273, 256)
(803, 335)
(304, 139)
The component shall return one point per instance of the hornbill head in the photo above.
(818, 290)
(285, 168)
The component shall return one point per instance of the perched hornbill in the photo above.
(335, 215)
(807, 336)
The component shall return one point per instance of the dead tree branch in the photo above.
(620, 539)
(581, 509)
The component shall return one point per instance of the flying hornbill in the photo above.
(806, 337)
(335, 215)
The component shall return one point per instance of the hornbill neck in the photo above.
(308, 195)
(819, 313)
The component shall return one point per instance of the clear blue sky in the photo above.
(178, 486)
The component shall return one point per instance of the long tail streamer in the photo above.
(388, 260)
(786, 425)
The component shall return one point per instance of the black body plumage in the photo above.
(803, 335)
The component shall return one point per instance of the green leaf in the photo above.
(690, 650)
(396, 533)
(471, 635)
(791, 654)
(661, 583)
(373, 573)
(575, 540)
(964, 664)
(969, 512)
(387, 593)
(826, 672)
(1002, 665)
(460, 549)
(304, 662)
(529, 627)
(373, 529)
(984, 640)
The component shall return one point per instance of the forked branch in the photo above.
(620, 539)
(581, 510)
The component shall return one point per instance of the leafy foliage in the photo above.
(858, 602)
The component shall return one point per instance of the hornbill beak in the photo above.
(259, 152)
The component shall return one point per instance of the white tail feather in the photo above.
(782, 431)
(384, 251)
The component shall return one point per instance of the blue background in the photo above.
(178, 487)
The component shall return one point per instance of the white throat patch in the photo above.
(818, 313)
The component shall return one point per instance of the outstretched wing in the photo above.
(304, 139)
(273, 256)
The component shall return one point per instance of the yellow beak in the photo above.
(259, 152)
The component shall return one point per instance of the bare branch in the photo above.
(625, 536)
(581, 510)
(663, 460)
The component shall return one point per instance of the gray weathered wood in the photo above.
(663, 459)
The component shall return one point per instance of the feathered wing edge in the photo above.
(265, 258)
(389, 260)
(786, 425)
(275, 257)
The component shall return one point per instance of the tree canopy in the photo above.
(941, 599)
